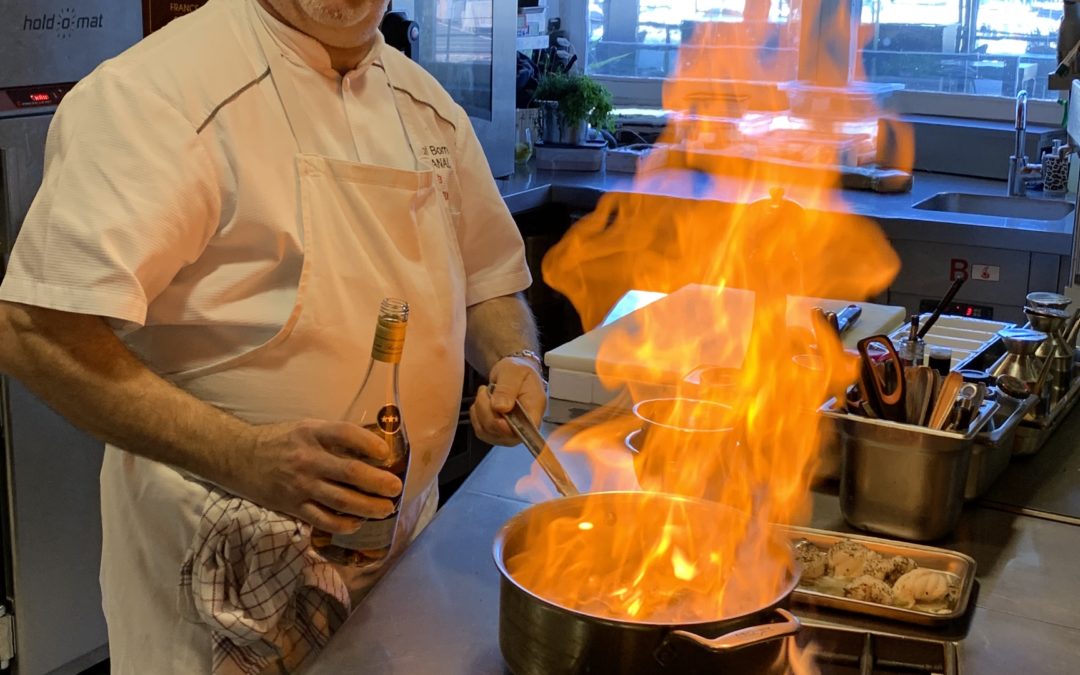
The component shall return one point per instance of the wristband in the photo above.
(530, 355)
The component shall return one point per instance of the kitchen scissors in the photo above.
(881, 378)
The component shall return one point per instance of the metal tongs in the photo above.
(530, 436)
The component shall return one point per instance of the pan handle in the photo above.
(729, 642)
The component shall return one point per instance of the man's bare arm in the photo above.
(496, 328)
(76, 364)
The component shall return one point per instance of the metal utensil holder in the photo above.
(904, 480)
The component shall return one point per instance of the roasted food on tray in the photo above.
(852, 570)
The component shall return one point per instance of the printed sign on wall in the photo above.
(962, 269)
(157, 13)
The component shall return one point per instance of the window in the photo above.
(986, 47)
(973, 47)
(456, 47)
(640, 38)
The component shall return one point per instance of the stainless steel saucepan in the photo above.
(540, 636)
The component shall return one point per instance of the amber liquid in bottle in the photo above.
(377, 407)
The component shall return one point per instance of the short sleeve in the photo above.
(491, 245)
(128, 197)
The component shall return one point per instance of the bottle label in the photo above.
(389, 419)
(372, 535)
(389, 340)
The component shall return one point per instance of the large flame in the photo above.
(744, 266)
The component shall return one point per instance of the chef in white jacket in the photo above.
(223, 208)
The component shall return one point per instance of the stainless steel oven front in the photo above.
(50, 530)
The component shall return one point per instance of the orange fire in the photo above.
(743, 266)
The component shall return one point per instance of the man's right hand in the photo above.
(311, 469)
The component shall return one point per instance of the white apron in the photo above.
(369, 232)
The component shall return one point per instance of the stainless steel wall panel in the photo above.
(56, 531)
(50, 41)
(927, 267)
(1044, 272)
(22, 143)
(52, 502)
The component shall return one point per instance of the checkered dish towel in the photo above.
(266, 596)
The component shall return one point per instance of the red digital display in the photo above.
(959, 309)
(36, 96)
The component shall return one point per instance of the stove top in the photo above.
(842, 651)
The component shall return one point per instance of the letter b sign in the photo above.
(958, 269)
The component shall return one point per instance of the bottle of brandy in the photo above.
(377, 407)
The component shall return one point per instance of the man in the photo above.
(223, 208)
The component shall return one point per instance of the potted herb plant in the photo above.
(569, 104)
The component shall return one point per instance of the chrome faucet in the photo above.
(1019, 168)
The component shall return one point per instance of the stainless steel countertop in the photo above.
(530, 188)
(1048, 482)
(437, 610)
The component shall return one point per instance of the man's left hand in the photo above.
(514, 378)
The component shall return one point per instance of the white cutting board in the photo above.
(573, 365)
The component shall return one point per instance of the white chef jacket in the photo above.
(169, 200)
(158, 163)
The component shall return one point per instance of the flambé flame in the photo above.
(743, 267)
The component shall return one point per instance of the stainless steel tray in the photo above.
(993, 447)
(942, 560)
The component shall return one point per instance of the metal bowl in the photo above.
(1046, 299)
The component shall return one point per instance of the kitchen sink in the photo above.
(992, 205)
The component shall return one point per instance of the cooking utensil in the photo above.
(819, 319)
(911, 347)
(1072, 330)
(1020, 361)
(1056, 349)
(949, 295)
(834, 322)
(853, 400)
(946, 399)
(674, 429)
(1048, 300)
(539, 635)
(920, 389)
(840, 322)
(1049, 321)
(848, 317)
(530, 436)
(968, 399)
(1013, 386)
(881, 378)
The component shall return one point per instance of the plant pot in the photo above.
(550, 128)
(573, 134)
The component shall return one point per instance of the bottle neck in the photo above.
(389, 340)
